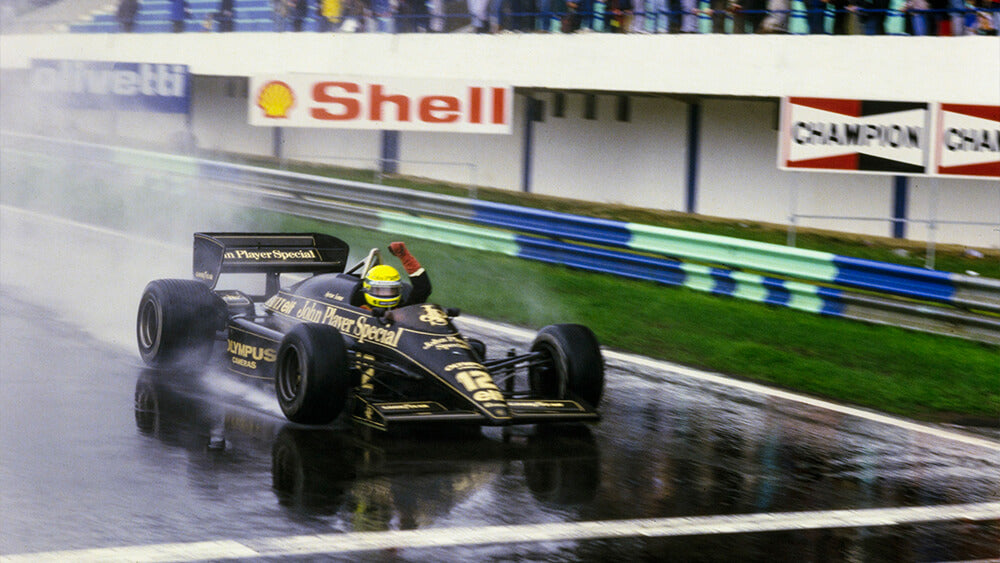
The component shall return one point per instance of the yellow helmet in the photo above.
(382, 286)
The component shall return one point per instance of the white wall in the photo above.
(639, 162)
(960, 70)
(643, 162)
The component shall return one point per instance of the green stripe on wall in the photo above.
(456, 234)
(715, 249)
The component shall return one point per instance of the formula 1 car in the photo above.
(323, 351)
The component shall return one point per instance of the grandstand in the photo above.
(154, 17)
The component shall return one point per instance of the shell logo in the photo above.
(276, 98)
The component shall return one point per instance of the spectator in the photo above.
(586, 11)
(747, 15)
(543, 15)
(871, 14)
(981, 22)
(178, 13)
(895, 18)
(412, 16)
(435, 8)
(938, 22)
(127, 10)
(618, 17)
(279, 12)
(328, 15)
(299, 12)
(353, 16)
(479, 9)
(720, 13)
(993, 16)
(837, 11)
(689, 16)
(382, 11)
(776, 20)
(917, 10)
(225, 16)
(571, 19)
(957, 11)
(816, 16)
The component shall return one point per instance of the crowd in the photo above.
(833, 17)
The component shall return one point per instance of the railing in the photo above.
(258, 16)
(806, 280)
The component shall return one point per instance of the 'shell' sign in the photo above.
(309, 100)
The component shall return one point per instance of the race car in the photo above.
(324, 351)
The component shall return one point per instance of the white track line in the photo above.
(490, 535)
(684, 371)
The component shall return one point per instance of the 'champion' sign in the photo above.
(855, 135)
(968, 141)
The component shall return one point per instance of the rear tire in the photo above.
(311, 376)
(574, 364)
(177, 322)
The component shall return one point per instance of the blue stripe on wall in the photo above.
(832, 305)
(777, 293)
(881, 276)
(551, 224)
(724, 282)
(660, 270)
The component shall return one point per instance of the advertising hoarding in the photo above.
(152, 87)
(399, 104)
(898, 138)
(968, 141)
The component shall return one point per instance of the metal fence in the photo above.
(806, 280)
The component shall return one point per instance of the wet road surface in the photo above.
(97, 451)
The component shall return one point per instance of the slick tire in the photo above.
(311, 377)
(177, 322)
(572, 364)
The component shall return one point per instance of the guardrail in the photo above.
(801, 279)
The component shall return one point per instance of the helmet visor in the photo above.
(378, 288)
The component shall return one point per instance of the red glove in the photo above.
(410, 263)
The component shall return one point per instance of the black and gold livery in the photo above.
(324, 351)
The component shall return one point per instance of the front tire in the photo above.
(571, 364)
(311, 377)
(177, 322)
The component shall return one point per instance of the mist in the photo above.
(81, 235)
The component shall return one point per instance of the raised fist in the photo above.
(410, 263)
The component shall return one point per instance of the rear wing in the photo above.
(268, 253)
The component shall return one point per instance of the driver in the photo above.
(383, 287)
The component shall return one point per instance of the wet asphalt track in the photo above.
(98, 452)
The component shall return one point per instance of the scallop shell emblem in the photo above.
(275, 98)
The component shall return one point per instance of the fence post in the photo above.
(793, 197)
(694, 138)
(389, 161)
(900, 195)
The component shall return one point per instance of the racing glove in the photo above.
(410, 264)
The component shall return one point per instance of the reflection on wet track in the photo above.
(99, 452)
(365, 480)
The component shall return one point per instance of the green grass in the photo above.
(884, 368)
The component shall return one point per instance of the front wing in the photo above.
(382, 415)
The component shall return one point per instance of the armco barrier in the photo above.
(806, 280)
